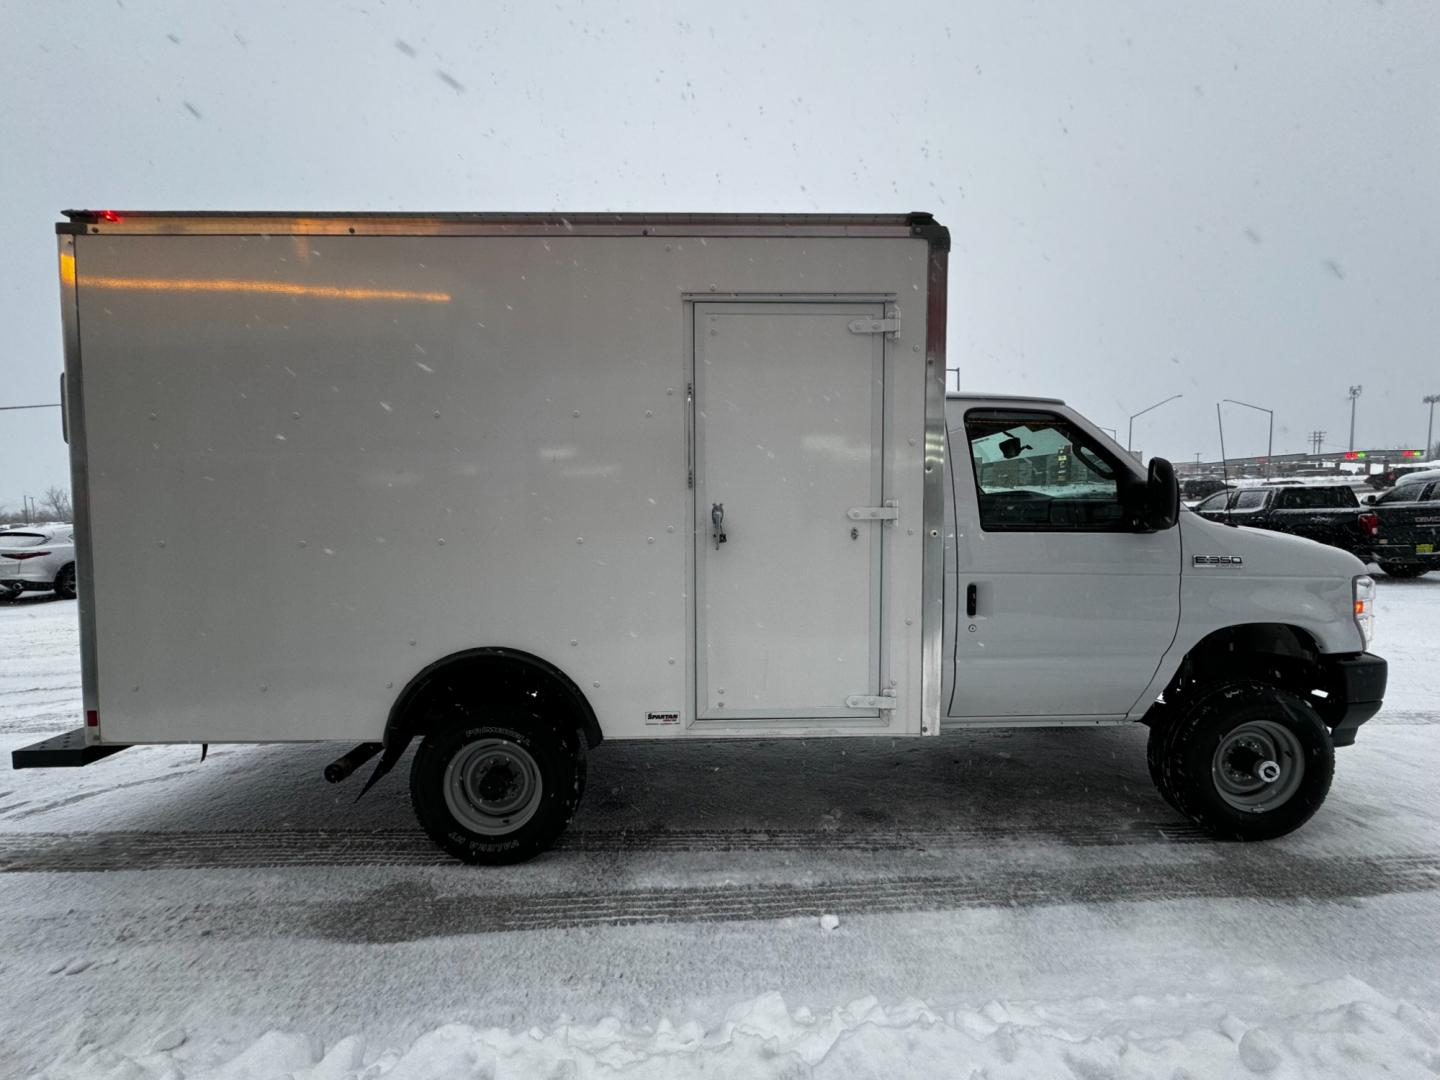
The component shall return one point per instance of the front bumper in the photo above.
(1358, 682)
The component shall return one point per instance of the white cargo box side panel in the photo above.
(317, 464)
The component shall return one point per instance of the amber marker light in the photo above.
(241, 285)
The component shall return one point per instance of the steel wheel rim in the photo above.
(493, 787)
(1237, 760)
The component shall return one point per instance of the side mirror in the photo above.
(1010, 448)
(1369, 500)
(1162, 496)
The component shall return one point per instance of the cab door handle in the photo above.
(971, 595)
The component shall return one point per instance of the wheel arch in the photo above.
(1264, 638)
(519, 673)
(1282, 654)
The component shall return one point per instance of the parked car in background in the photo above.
(1194, 489)
(1417, 476)
(1392, 476)
(1329, 513)
(34, 557)
(1407, 540)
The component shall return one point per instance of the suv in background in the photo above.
(34, 557)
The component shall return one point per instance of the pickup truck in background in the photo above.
(1407, 538)
(1329, 513)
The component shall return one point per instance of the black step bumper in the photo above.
(66, 751)
(1360, 681)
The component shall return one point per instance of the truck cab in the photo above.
(1070, 600)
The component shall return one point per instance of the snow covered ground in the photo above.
(1009, 904)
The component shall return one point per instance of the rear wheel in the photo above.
(500, 788)
(1404, 570)
(65, 582)
(1248, 761)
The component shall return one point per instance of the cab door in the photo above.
(1063, 609)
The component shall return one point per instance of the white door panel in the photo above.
(789, 407)
(1069, 621)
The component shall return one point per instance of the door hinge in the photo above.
(890, 324)
(873, 513)
(870, 701)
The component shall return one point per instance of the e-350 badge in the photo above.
(1217, 560)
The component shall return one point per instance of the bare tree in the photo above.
(57, 503)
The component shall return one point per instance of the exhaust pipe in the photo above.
(342, 767)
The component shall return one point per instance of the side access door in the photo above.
(1063, 610)
(790, 542)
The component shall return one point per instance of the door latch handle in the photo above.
(971, 596)
(717, 524)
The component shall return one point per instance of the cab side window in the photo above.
(1038, 472)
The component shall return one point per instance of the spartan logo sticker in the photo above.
(663, 718)
(1218, 560)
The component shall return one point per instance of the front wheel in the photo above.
(1248, 761)
(498, 789)
(1404, 570)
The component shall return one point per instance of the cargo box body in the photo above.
(681, 459)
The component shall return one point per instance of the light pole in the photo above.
(1354, 395)
(1130, 431)
(1269, 442)
(1430, 399)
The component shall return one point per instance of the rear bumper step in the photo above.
(65, 751)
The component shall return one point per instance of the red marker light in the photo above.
(109, 215)
(92, 718)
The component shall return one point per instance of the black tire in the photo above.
(516, 781)
(65, 582)
(1213, 744)
(1404, 570)
(1160, 719)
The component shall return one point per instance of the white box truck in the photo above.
(504, 485)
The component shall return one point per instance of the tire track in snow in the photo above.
(413, 911)
(42, 852)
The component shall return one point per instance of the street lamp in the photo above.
(1130, 432)
(1430, 399)
(1354, 394)
(1270, 442)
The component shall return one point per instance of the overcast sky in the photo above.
(1222, 200)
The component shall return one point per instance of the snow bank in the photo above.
(1339, 1028)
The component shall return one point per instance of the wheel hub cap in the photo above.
(1259, 766)
(492, 786)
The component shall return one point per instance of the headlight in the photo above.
(1364, 590)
